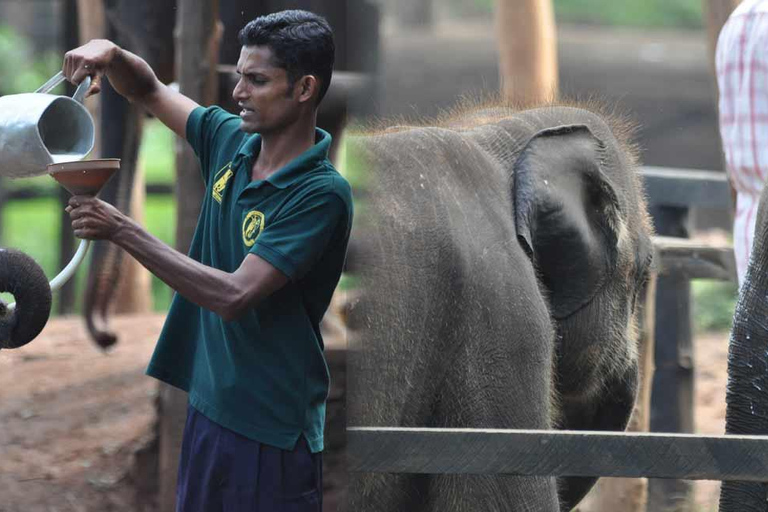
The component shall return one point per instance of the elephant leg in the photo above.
(609, 411)
(120, 136)
(500, 391)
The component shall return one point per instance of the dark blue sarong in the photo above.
(222, 471)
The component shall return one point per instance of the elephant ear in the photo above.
(567, 215)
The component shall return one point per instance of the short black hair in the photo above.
(301, 43)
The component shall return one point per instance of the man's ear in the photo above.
(307, 87)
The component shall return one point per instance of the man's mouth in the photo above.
(245, 111)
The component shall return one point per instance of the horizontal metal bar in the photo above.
(557, 453)
(686, 188)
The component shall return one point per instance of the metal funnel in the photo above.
(84, 177)
(79, 178)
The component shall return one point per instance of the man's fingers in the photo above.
(79, 75)
(77, 213)
(95, 86)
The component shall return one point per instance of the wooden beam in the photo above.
(686, 188)
(694, 259)
(557, 453)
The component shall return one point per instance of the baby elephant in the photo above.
(501, 255)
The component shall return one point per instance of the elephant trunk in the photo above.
(119, 139)
(21, 276)
(746, 398)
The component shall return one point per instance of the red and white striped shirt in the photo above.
(742, 77)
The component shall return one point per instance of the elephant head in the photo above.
(747, 407)
(21, 276)
(501, 257)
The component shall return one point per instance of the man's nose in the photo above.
(237, 92)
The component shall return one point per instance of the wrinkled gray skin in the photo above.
(747, 407)
(500, 259)
(21, 276)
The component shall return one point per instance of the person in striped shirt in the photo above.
(741, 62)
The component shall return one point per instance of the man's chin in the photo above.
(248, 126)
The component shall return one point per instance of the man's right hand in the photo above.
(92, 59)
(131, 77)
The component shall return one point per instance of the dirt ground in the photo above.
(71, 416)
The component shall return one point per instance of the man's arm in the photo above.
(226, 294)
(132, 78)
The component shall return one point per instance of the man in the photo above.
(741, 61)
(242, 333)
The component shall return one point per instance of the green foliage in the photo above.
(21, 70)
(637, 13)
(713, 305)
(157, 156)
(32, 226)
(641, 13)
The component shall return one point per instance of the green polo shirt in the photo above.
(263, 375)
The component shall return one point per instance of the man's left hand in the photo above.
(93, 219)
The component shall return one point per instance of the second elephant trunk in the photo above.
(747, 395)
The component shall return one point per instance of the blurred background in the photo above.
(649, 59)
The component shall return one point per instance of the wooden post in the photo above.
(716, 13)
(527, 42)
(673, 382)
(198, 34)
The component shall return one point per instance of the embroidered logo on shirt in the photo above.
(221, 183)
(253, 225)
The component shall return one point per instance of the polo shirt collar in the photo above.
(308, 160)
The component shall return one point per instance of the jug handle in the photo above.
(79, 95)
(59, 77)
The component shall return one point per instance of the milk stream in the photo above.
(66, 157)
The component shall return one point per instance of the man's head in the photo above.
(285, 65)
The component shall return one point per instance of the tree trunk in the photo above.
(527, 42)
(716, 13)
(134, 289)
(198, 34)
(747, 407)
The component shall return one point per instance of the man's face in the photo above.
(266, 100)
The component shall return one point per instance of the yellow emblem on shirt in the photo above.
(221, 183)
(253, 225)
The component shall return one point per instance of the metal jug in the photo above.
(37, 129)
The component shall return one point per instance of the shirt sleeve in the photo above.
(205, 129)
(299, 237)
